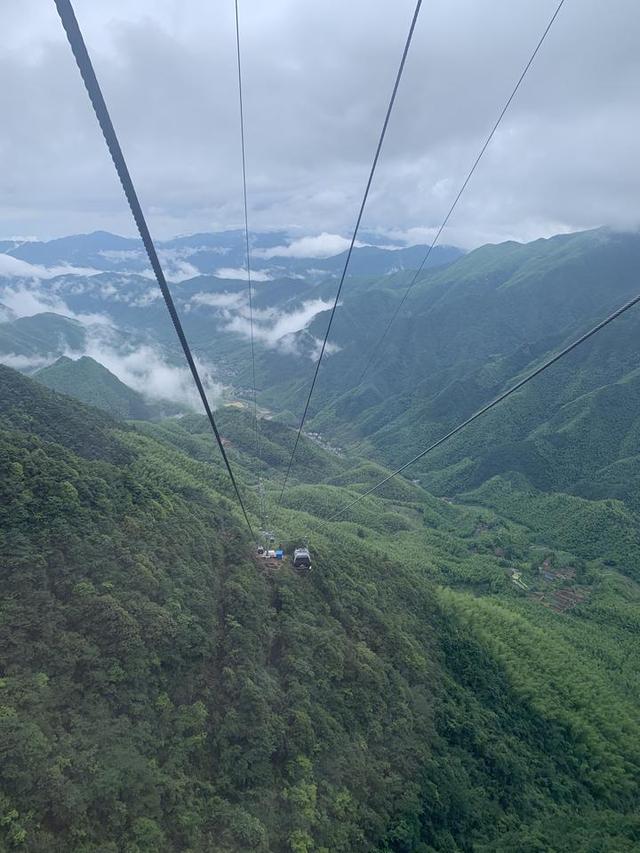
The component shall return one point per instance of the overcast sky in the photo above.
(317, 79)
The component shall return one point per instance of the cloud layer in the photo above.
(145, 369)
(26, 299)
(241, 274)
(273, 327)
(317, 78)
(15, 268)
(276, 328)
(142, 366)
(322, 246)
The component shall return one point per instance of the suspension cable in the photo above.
(494, 402)
(376, 350)
(353, 239)
(246, 231)
(380, 341)
(83, 60)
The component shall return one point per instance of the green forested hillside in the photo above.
(160, 691)
(90, 382)
(40, 334)
(468, 332)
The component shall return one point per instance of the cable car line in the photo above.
(83, 60)
(376, 351)
(379, 343)
(353, 239)
(494, 402)
(246, 231)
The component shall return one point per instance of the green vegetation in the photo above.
(40, 334)
(459, 671)
(604, 529)
(468, 332)
(161, 691)
(91, 383)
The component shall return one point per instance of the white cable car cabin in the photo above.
(301, 558)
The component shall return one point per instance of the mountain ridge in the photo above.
(105, 251)
(90, 382)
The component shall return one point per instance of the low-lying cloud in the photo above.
(271, 325)
(322, 246)
(142, 367)
(145, 369)
(276, 328)
(6, 314)
(27, 363)
(174, 272)
(240, 274)
(11, 267)
(178, 271)
(26, 301)
(219, 300)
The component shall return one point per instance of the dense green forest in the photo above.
(459, 671)
(451, 675)
(469, 331)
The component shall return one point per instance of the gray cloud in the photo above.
(241, 274)
(320, 246)
(145, 369)
(25, 299)
(317, 78)
(25, 362)
(273, 327)
(11, 267)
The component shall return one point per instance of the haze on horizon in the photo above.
(317, 79)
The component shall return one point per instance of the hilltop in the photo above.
(88, 381)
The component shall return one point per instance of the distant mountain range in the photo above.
(94, 295)
(469, 329)
(274, 254)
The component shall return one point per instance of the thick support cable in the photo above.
(353, 238)
(547, 364)
(246, 233)
(79, 49)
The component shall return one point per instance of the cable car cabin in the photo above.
(301, 558)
